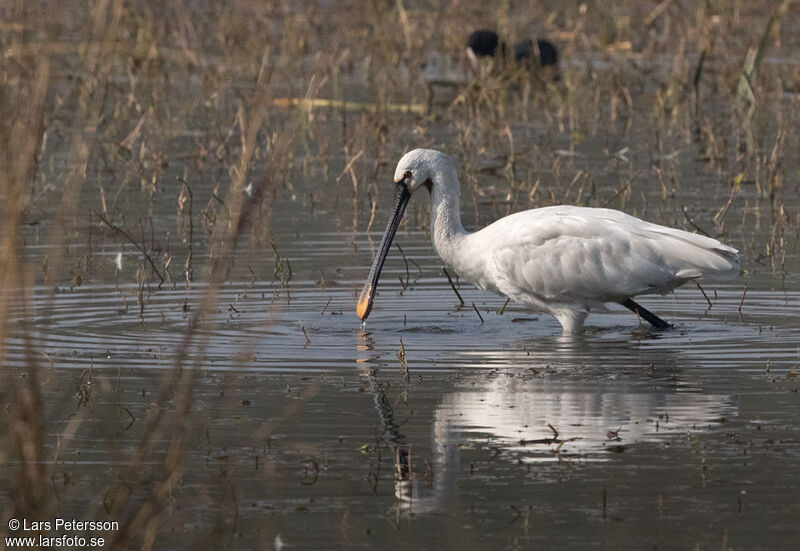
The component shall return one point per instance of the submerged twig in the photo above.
(401, 355)
(130, 238)
(452, 285)
(705, 296)
(691, 221)
(322, 313)
(477, 311)
(188, 270)
(503, 307)
(741, 301)
(408, 274)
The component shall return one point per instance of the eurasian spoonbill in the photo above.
(563, 260)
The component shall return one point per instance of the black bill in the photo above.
(401, 197)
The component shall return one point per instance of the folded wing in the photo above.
(575, 255)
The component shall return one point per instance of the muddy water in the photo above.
(502, 433)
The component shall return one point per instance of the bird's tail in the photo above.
(706, 258)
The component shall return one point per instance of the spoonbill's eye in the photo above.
(407, 175)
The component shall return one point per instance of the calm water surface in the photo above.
(502, 433)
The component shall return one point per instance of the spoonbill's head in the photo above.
(418, 168)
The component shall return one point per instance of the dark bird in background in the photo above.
(485, 43)
(526, 51)
(528, 54)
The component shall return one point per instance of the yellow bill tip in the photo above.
(364, 303)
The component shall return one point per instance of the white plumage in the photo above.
(564, 260)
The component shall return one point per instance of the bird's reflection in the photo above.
(390, 431)
(543, 401)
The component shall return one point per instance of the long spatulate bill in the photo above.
(365, 300)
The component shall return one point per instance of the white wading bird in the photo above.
(563, 260)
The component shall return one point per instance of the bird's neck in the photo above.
(446, 228)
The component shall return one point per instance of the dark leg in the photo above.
(646, 315)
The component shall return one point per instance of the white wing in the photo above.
(587, 256)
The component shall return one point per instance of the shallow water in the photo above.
(504, 432)
(306, 430)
